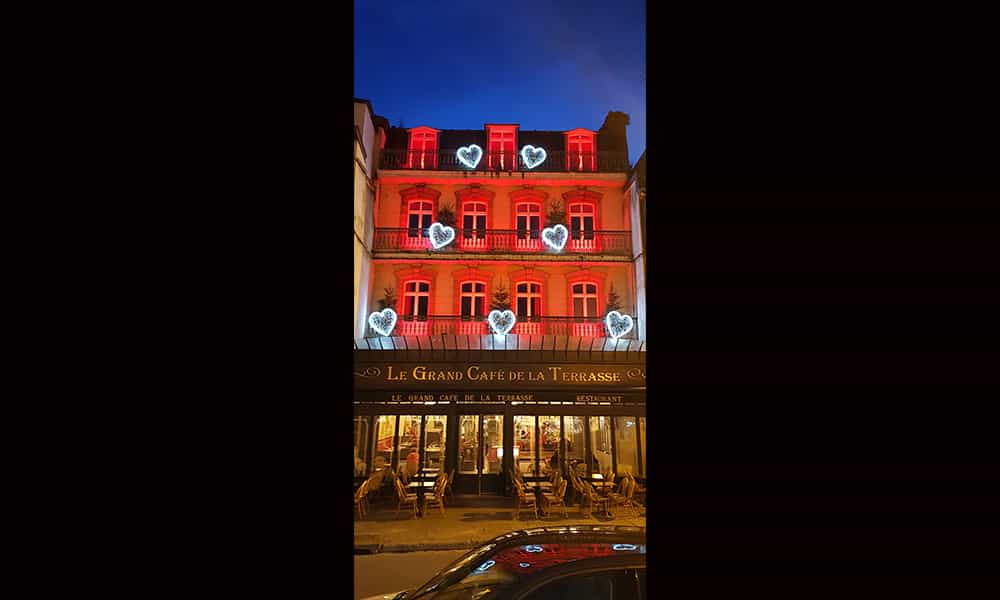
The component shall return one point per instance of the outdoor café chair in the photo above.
(451, 480)
(404, 499)
(524, 500)
(624, 497)
(359, 498)
(591, 497)
(436, 497)
(558, 498)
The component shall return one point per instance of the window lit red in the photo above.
(528, 297)
(416, 299)
(585, 300)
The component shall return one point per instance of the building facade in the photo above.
(502, 288)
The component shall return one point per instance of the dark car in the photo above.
(579, 562)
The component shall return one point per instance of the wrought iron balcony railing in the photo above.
(457, 325)
(555, 161)
(503, 241)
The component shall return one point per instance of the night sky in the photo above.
(543, 64)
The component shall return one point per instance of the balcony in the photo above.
(556, 161)
(503, 241)
(457, 325)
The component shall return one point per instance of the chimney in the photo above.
(614, 127)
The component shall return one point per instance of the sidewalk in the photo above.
(468, 522)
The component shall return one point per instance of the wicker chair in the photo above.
(436, 497)
(524, 500)
(359, 498)
(624, 496)
(591, 497)
(451, 480)
(558, 498)
(404, 499)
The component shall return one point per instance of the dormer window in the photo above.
(501, 147)
(423, 150)
(581, 150)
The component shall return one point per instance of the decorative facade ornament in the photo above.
(555, 237)
(618, 324)
(532, 156)
(441, 235)
(470, 155)
(383, 322)
(502, 322)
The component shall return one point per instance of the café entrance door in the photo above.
(480, 454)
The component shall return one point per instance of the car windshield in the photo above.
(478, 573)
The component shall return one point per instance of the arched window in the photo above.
(529, 220)
(416, 299)
(473, 300)
(420, 215)
(474, 220)
(585, 300)
(581, 221)
(528, 300)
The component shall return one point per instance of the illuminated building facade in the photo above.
(506, 327)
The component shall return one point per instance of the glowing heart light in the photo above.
(532, 156)
(618, 324)
(469, 155)
(501, 322)
(383, 322)
(441, 235)
(555, 237)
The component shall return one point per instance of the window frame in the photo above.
(501, 134)
(529, 294)
(484, 212)
(416, 294)
(473, 294)
(420, 136)
(576, 159)
(584, 296)
(582, 215)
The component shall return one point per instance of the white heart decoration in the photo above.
(555, 237)
(533, 156)
(618, 324)
(441, 235)
(383, 322)
(469, 155)
(502, 322)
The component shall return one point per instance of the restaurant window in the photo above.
(600, 444)
(581, 154)
(585, 300)
(625, 442)
(528, 298)
(474, 220)
(492, 444)
(581, 221)
(468, 444)
(385, 429)
(501, 143)
(416, 299)
(576, 458)
(409, 440)
(434, 441)
(529, 220)
(524, 444)
(360, 446)
(420, 215)
(423, 148)
(642, 445)
(473, 299)
(548, 434)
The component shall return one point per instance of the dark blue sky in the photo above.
(544, 64)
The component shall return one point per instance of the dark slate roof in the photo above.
(512, 348)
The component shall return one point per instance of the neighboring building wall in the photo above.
(365, 160)
(637, 207)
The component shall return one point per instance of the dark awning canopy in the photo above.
(490, 348)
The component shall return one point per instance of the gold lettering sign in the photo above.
(498, 374)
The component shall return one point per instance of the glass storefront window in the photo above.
(625, 452)
(468, 443)
(575, 444)
(600, 444)
(524, 444)
(492, 444)
(360, 446)
(409, 440)
(548, 431)
(434, 441)
(642, 445)
(385, 429)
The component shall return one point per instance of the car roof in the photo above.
(588, 529)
